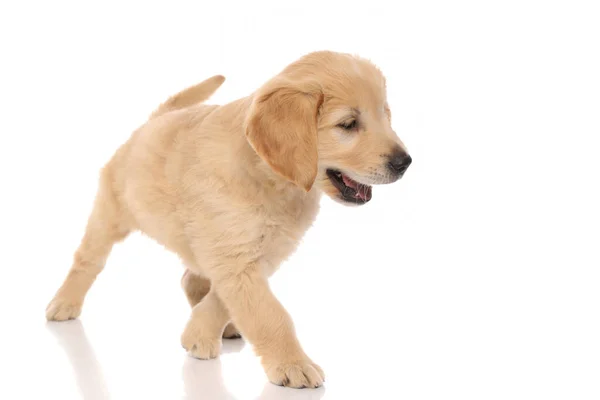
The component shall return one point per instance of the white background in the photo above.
(475, 277)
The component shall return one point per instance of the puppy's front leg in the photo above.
(202, 335)
(268, 327)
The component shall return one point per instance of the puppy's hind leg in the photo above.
(105, 227)
(196, 288)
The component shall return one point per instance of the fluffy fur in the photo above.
(232, 189)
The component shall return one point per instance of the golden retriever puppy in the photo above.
(232, 189)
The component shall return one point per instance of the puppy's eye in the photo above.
(349, 125)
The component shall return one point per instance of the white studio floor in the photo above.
(475, 277)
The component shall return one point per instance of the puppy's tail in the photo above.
(190, 96)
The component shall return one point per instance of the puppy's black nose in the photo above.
(399, 162)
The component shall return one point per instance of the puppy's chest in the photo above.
(281, 229)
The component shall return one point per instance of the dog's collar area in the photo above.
(350, 190)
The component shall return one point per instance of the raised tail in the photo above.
(190, 96)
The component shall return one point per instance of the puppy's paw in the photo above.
(299, 374)
(231, 332)
(204, 349)
(200, 347)
(62, 309)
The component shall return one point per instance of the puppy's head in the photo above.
(325, 122)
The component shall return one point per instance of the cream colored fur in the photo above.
(232, 189)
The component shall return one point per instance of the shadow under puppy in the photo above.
(233, 188)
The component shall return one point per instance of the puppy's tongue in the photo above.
(362, 191)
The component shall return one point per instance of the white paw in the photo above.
(62, 309)
(200, 347)
(299, 374)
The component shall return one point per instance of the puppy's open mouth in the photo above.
(350, 190)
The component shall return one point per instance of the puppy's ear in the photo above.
(282, 129)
